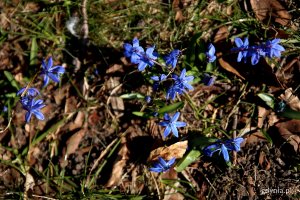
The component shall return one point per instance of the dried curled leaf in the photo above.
(176, 150)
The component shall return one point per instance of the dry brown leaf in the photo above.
(71, 104)
(292, 100)
(290, 131)
(116, 102)
(228, 67)
(115, 68)
(176, 150)
(222, 34)
(74, 140)
(119, 165)
(78, 122)
(264, 8)
(263, 161)
(262, 114)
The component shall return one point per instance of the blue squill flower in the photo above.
(162, 165)
(51, 72)
(172, 58)
(32, 106)
(158, 80)
(210, 54)
(255, 52)
(31, 92)
(224, 147)
(242, 48)
(147, 59)
(208, 80)
(134, 51)
(183, 81)
(273, 49)
(172, 124)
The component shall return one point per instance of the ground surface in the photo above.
(92, 145)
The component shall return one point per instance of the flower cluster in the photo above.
(223, 147)
(29, 95)
(174, 85)
(269, 49)
(142, 58)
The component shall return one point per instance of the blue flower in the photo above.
(224, 147)
(173, 90)
(234, 144)
(208, 80)
(148, 99)
(32, 106)
(50, 71)
(5, 109)
(147, 59)
(273, 49)
(172, 58)
(31, 92)
(183, 81)
(210, 54)
(180, 84)
(242, 48)
(134, 51)
(171, 124)
(255, 52)
(162, 165)
(158, 80)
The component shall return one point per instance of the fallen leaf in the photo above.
(116, 102)
(119, 165)
(78, 122)
(222, 34)
(290, 131)
(263, 161)
(263, 9)
(176, 150)
(291, 99)
(74, 140)
(115, 68)
(227, 66)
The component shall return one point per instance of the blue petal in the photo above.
(162, 162)
(54, 77)
(135, 42)
(224, 152)
(142, 66)
(238, 42)
(156, 169)
(175, 117)
(171, 162)
(167, 131)
(155, 78)
(163, 123)
(38, 115)
(180, 124)
(50, 63)
(28, 116)
(46, 80)
(174, 130)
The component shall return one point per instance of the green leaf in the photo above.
(171, 108)
(289, 113)
(267, 136)
(11, 79)
(268, 99)
(200, 141)
(132, 96)
(189, 158)
(33, 52)
(141, 114)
